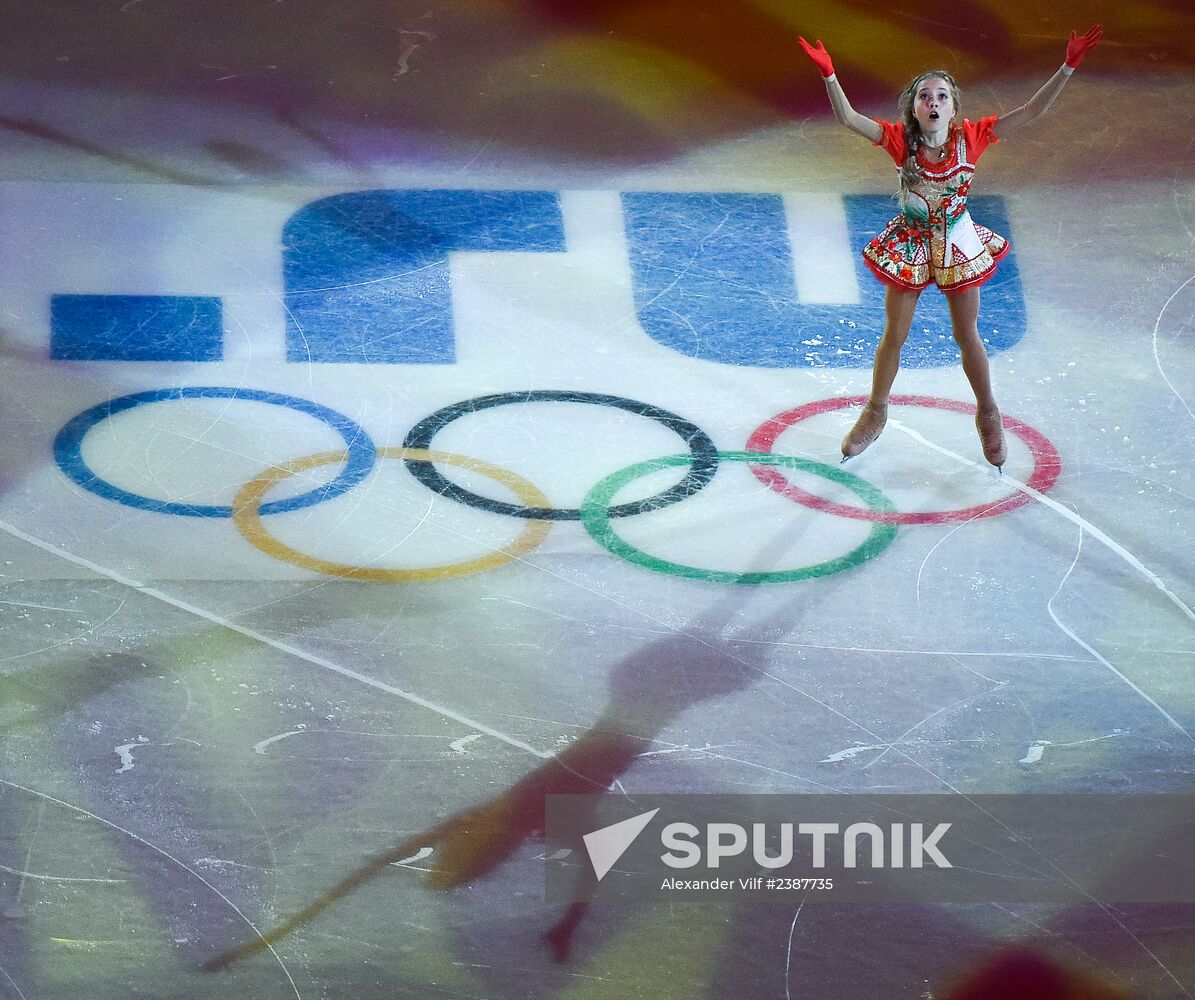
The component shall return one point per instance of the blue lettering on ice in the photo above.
(366, 273)
(135, 328)
(714, 279)
(366, 278)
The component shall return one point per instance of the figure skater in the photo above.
(934, 238)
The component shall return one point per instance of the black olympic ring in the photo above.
(703, 464)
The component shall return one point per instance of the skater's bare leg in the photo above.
(964, 317)
(964, 320)
(899, 307)
(898, 318)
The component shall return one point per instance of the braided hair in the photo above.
(913, 135)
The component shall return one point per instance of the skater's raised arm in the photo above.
(844, 114)
(1076, 48)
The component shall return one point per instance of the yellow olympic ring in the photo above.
(246, 516)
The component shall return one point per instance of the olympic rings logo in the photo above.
(597, 510)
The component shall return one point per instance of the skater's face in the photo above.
(933, 104)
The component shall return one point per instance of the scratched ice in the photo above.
(247, 642)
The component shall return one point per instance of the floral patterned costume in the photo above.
(934, 238)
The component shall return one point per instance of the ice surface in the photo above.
(202, 733)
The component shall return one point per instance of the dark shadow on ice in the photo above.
(649, 689)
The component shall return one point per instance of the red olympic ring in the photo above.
(1047, 464)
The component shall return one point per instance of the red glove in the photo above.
(1077, 47)
(820, 56)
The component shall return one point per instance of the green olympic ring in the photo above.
(597, 522)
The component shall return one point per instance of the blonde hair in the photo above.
(913, 135)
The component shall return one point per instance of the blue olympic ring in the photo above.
(68, 449)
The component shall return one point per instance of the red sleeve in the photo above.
(893, 142)
(979, 136)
